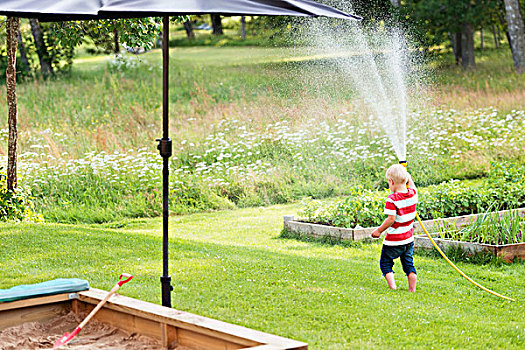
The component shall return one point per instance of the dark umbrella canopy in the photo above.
(92, 9)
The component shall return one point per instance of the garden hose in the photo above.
(404, 163)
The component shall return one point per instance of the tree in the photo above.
(436, 21)
(516, 34)
(12, 29)
(216, 23)
(243, 27)
(41, 48)
(188, 27)
(396, 3)
(116, 43)
(467, 45)
(23, 53)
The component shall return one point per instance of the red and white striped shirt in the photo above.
(403, 206)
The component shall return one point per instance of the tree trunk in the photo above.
(496, 43)
(216, 23)
(509, 40)
(467, 46)
(189, 30)
(481, 38)
(116, 42)
(12, 28)
(396, 3)
(243, 28)
(516, 33)
(455, 39)
(45, 65)
(23, 54)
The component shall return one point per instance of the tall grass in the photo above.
(251, 126)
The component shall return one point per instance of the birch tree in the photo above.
(516, 33)
(12, 29)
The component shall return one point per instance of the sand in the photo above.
(95, 335)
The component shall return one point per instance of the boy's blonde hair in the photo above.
(397, 173)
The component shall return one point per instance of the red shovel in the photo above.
(66, 338)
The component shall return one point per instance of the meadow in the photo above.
(251, 126)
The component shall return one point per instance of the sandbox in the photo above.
(123, 323)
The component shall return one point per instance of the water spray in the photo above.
(405, 164)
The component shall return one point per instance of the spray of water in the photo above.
(374, 62)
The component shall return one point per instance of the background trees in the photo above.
(454, 23)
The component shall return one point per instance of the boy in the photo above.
(399, 242)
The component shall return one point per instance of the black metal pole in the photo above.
(165, 151)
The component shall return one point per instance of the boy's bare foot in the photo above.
(412, 281)
(391, 281)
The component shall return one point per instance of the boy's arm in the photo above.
(411, 183)
(389, 221)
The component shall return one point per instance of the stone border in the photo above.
(317, 230)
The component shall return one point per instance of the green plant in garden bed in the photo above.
(505, 188)
(489, 228)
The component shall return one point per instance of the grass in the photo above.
(493, 82)
(232, 266)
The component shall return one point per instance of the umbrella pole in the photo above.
(165, 149)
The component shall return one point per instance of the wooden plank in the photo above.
(40, 313)
(17, 304)
(230, 333)
(164, 336)
(271, 347)
(125, 321)
(169, 336)
(199, 341)
(511, 251)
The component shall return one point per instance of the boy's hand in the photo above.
(376, 234)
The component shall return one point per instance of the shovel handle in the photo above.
(66, 338)
(127, 277)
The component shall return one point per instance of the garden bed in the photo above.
(127, 322)
(507, 252)
(358, 234)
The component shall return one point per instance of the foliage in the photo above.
(59, 56)
(432, 22)
(135, 32)
(452, 198)
(16, 206)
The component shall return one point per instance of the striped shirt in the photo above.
(403, 206)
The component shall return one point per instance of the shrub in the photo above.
(16, 206)
(504, 188)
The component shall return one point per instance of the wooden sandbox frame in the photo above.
(169, 326)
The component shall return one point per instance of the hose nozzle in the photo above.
(404, 163)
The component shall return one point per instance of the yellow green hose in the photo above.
(455, 267)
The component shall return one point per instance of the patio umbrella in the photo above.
(63, 10)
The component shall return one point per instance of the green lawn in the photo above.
(232, 266)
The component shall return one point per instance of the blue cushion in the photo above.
(58, 286)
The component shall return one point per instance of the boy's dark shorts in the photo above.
(404, 252)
